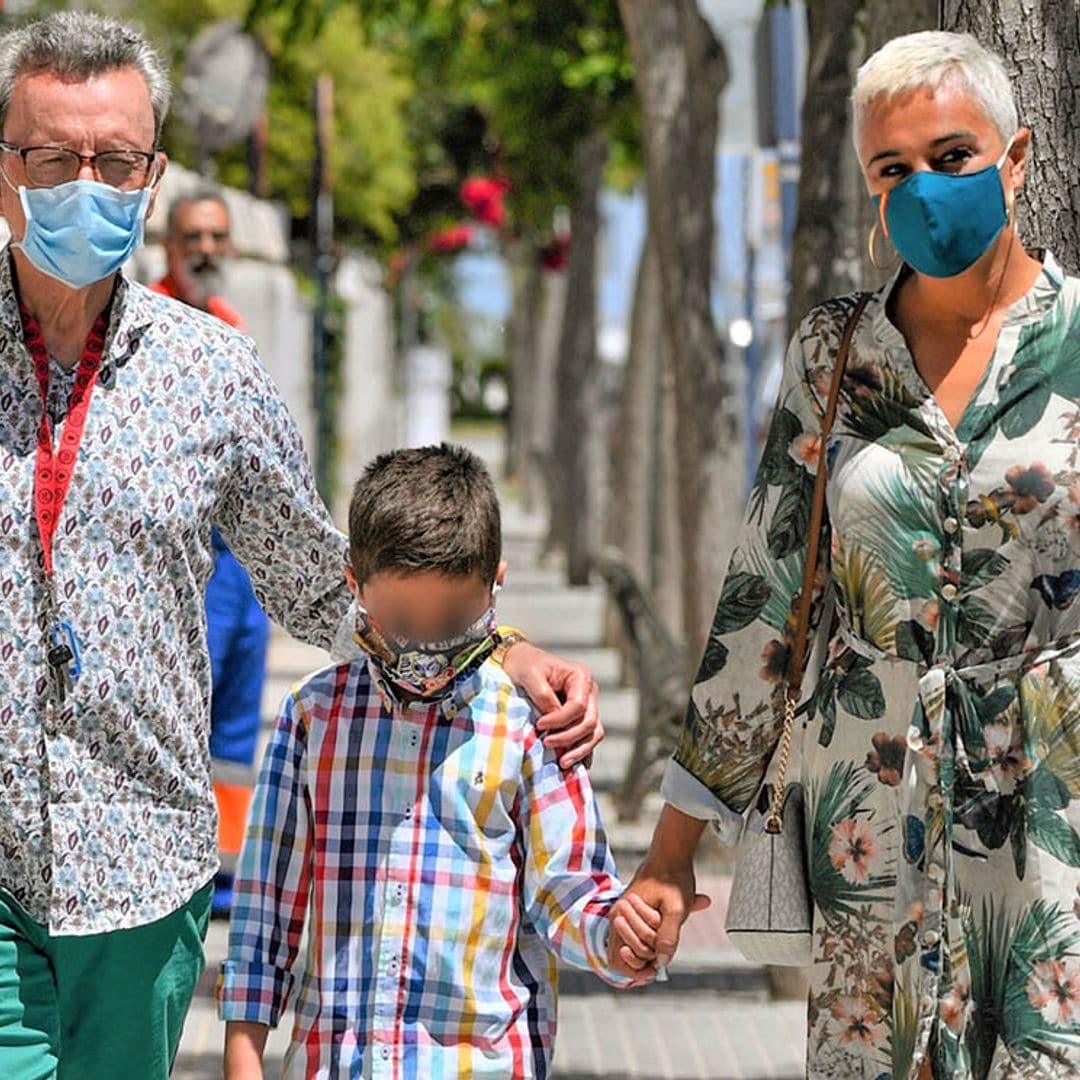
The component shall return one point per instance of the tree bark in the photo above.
(885, 19)
(1040, 43)
(632, 521)
(576, 500)
(824, 262)
(523, 339)
(680, 71)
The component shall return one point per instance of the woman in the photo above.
(942, 748)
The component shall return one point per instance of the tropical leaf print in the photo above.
(869, 603)
(849, 861)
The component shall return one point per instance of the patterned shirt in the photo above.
(941, 749)
(442, 856)
(108, 816)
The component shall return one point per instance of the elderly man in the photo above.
(198, 239)
(129, 425)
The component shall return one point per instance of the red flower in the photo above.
(554, 256)
(483, 198)
(449, 241)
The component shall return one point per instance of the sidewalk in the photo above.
(713, 1019)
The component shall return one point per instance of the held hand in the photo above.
(647, 919)
(565, 694)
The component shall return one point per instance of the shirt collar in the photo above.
(461, 694)
(127, 322)
(1031, 307)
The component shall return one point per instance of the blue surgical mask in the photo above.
(942, 223)
(82, 231)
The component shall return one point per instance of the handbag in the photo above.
(769, 916)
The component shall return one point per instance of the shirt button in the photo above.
(948, 591)
(385, 1053)
(951, 524)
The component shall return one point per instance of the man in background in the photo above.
(198, 240)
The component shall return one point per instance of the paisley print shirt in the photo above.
(941, 748)
(107, 817)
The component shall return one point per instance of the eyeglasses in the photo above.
(47, 166)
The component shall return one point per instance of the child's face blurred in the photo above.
(425, 605)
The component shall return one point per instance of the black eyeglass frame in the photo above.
(150, 157)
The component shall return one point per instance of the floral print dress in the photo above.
(941, 745)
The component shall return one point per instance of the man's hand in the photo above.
(565, 694)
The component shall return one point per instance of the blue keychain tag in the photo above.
(64, 653)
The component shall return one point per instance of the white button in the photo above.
(951, 524)
(948, 590)
(385, 1053)
(936, 873)
(930, 938)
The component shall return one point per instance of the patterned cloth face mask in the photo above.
(428, 669)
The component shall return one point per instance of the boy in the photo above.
(407, 800)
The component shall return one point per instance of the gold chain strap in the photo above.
(774, 822)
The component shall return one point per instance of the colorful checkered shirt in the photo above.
(442, 856)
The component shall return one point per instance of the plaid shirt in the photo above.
(444, 857)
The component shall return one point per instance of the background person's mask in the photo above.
(941, 223)
(82, 231)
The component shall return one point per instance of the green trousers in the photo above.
(101, 1007)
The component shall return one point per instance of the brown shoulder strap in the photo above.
(817, 512)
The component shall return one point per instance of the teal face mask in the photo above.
(941, 223)
(82, 231)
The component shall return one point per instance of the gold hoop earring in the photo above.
(870, 250)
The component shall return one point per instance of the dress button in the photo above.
(936, 873)
(951, 524)
(952, 454)
(931, 938)
(948, 591)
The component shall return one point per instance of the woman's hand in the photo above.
(565, 694)
(662, 896)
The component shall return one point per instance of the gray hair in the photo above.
(928, 60)
(79, 45)
(200, 194)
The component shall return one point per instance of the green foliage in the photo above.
(500, 86)
(373, 163)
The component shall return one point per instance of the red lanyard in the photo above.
(53, 467)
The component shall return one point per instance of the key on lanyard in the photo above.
(65, 661)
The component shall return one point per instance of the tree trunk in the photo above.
(681, 69)
(823, 258)
(1040, 43)
(633, 519)
(576, 502)
(523, 339)
(885, 19)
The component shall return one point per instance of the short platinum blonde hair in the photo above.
(931, 59)
(79, 45)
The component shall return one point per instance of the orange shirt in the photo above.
(215, 305)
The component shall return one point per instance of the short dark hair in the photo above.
(203, 194)
(426, 508)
